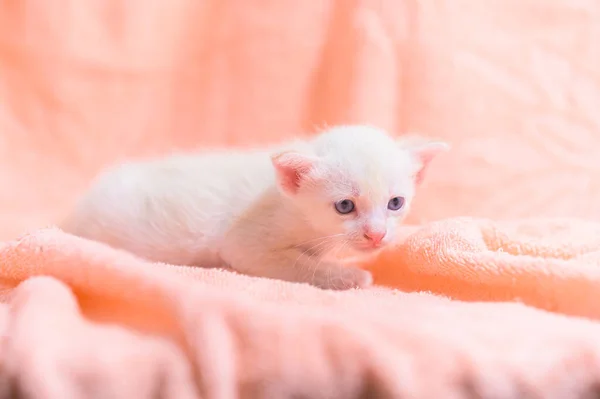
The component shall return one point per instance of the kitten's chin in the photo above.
(366, 251)
(363, 252)
(354, 253)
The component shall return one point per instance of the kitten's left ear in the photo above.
(424, 154)
(291, 168)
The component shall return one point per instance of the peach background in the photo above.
(514, 85)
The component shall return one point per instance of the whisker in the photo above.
(320, 260)
(318, 238)
(340, 248)
(316, 266)
(311, 248)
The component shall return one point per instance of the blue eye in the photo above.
(344, 207)
(395, 203)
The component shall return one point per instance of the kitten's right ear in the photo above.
(291, 168)
(424, 154)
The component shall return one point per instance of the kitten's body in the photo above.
(260, 214)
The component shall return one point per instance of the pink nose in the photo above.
(374, 236)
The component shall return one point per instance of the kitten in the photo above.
(292, 212)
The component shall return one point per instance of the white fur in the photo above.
(229, 208)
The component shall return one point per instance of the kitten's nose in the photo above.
(374, 236)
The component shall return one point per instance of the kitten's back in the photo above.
(169, 208)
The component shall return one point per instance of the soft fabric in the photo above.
(107, 325)
(553, 264)
(513, 85)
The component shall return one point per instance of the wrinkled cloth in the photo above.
(552, 264)
(102, 323)
(512, 85)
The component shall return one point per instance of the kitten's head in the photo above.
(355, 186)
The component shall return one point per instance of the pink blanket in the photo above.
(512, 84)
(105, 324)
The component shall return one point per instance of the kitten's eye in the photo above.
(395, 203)
(344, 206)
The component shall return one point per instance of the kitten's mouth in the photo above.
(357, 250)
(369, 249)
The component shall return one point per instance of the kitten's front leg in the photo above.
(322, 273)
(293, 265)
(336, 276)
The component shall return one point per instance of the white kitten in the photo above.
(288, 212)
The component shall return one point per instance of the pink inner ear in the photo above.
(291, 167)
(425, 155)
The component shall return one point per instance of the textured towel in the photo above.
(130, 329)
(513, 85)
(553, 264)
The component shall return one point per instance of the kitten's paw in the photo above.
(344, 278)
